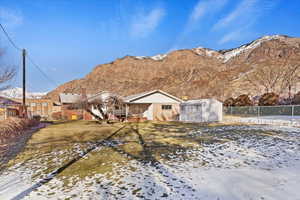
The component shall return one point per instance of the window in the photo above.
(33, 104)
(45, 104)
(166, 107)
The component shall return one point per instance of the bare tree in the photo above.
(290, 77)
(6, 74)
(266, 77)
(104, 104)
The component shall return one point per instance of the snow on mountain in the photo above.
(205, 51)
(156, 57)
(224, 55)
(18, 93)
(227, 55)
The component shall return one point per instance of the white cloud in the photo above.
(204, 7)
(235, 35)
(10, 18)
(244, 10)
(145, 23)
(239, 22)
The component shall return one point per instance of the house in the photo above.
(153, 105)
(43, 107)
(203, 110)
(40, 107)
(70, 109)
(9, 108)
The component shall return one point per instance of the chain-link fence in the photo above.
(274, 115)
(258, 111)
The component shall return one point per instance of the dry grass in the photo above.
(144, 142)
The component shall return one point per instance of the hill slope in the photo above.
(195, 73)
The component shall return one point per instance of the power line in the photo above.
(29, 58)
(9, 38)
(41, 71)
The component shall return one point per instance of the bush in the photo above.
(229, 102)
(296, 99)
(269, 99)
(13, 127)
(243, 100)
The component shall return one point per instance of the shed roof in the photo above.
(199, 101)
(69, 97)
(134, 97)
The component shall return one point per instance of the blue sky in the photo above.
(67, 38)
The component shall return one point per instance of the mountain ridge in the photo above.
(195, 73)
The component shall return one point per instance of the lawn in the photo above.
(87, 159)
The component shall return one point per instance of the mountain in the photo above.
(17, 93)
(198, 72)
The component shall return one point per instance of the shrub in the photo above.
(269, 99)
(229, 102)
(243, 100)
(13, 127)
(296, 99)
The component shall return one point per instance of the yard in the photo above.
(155, 160)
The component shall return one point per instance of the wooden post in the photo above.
(24, 83)
(126, 111)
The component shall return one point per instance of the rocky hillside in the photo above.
(199, 72)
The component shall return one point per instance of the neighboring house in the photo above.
(40, 107)
(153, 105)
(43, 107)
(203, 110)
(9, 108)
(69, 109)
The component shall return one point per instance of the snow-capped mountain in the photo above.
(17, 93)
(197, 73)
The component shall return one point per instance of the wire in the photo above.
(29, 58)
(9, 38)
(41, 71)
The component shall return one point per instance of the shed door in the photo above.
(194, 113)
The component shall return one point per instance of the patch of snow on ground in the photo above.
(250, 165)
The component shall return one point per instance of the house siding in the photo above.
(165, 115)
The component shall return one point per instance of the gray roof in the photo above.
(199, 101)
(143, 94)
(69, 97)
(134, 96)
(73, 98)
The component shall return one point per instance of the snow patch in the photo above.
(156, 57)
(235, 52)
(18, 93)
(204, 51)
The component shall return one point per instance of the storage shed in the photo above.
(202, 110)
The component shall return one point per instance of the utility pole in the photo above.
(24, 83)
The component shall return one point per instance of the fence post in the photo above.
(230, 110)
(292, 111)
(258, 111)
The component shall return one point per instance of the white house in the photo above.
(203, 110)
(153, 105)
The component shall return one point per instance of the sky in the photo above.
(68, 38)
